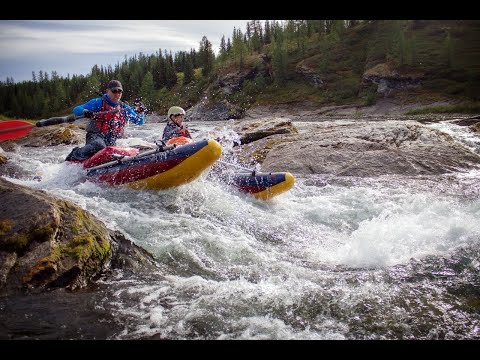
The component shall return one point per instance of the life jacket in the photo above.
(111, 125)
(184, 132)
(172, 130)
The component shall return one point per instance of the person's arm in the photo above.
(131, 115)
(93, 105)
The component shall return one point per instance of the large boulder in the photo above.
(251, 131)
(359, 148)
(46, 243)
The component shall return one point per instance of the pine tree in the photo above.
(188, 73)
(207, 55)
(268, 35)
(223, 47)
(147, 92)
(229, 46)
(279, 59)
(170, 74)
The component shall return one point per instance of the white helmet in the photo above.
(175, 110)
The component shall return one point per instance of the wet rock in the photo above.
(48, 243)
(468, 121)
(360, 148)
(3, 157)
(250, 131)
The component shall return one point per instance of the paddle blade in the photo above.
(12, 129)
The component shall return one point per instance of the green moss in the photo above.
(82, 247)
(18, 242)
(473, 303)
(55, 254)
(91, 244)
(15, 243)
(87, 235)
(260, 154)
(85, 247)
(5, 226)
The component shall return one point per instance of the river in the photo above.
(390, 257)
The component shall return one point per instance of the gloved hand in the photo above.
(88, 114)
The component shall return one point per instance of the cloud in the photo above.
(66, 45)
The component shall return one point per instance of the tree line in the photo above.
(149, 76)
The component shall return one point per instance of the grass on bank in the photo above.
(470, 108)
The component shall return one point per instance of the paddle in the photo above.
(13, 129)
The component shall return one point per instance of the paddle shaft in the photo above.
(56, 120)
(12, 129)
(67, 119)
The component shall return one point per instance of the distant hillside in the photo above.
(413, 59)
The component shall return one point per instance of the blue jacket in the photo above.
(95, 105)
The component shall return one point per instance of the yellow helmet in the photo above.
(175, 110)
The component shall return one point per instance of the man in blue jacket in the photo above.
(108, 116)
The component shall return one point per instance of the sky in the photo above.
(74, 46)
